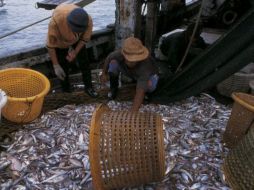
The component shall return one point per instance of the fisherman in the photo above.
(134, 61)
(174, 45)
(69, 30)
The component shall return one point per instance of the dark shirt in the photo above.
(141, 72)
(175, 45)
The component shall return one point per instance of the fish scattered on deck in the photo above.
(54, 155)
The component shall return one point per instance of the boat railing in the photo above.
(101, 41)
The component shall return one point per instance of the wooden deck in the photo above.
(51, 4)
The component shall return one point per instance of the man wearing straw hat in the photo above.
(69, 30)
(134, 61)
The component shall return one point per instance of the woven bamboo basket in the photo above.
(238, 165)
(126, 149)
(238, 82)
(241, 118)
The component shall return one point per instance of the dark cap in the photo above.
(78, 20)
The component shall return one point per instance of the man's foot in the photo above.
(91, 92)
(112, 94)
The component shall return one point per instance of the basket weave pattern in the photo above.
(241, 119)
(239, 166)
(129, 146)
(238, 82)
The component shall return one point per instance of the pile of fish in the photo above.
(52, 152)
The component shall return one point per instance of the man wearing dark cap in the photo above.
(70, 28)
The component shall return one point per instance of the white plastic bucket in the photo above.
(252, 86)
(3, 100)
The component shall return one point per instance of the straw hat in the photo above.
(133, 50)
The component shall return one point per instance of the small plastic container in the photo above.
(3, 100)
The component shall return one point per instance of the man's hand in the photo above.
(59, 71)
(71, 55)
(138, 99)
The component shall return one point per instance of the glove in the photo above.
(71, 54)
(59, 71)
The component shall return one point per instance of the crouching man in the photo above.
(134, 61)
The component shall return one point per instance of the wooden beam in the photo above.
(138, 19)
(151, 23)
(125, 20)
(52, 4)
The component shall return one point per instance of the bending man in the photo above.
(134, 61)
(70, 28)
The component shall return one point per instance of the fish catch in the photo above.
(52, 152)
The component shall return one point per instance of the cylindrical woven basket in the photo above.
(238, 82)
(239, 164)
(26, 90)
(241, 118)
(125, 149)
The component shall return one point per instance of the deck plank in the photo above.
(52, 4)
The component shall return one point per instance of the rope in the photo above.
(192, 37)
(144, 8)
(13, 32)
